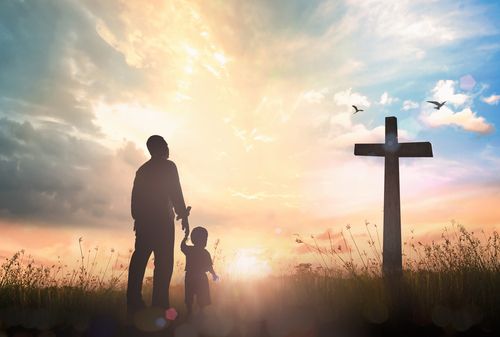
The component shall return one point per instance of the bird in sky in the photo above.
(356, 108)
(437, 104)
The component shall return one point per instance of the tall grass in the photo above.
(451, 283)
(65, 293)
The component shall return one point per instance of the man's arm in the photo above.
(178, 199)
(176, 195)
(135, 198)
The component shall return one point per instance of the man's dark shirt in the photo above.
(156, 190)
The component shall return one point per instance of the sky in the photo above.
(254, 99)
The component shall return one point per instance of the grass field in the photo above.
(448, 287)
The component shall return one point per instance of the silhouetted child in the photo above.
(198, 263)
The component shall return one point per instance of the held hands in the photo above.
(185, 226)
(185, 222)
(215, 277)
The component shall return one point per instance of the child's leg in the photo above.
(188, 296)
(203, 296)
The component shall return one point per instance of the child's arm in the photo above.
(211, 270)
(184, 245)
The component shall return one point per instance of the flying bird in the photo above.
(437, 104)
(356, 108)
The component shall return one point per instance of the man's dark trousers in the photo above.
(159, 239)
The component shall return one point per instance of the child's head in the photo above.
(199, 236)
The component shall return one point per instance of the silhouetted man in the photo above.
(156, 190)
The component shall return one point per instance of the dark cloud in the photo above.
(53, 63)
(53, 67)
(51, 177)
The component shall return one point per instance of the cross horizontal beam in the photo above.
(377, 150)
(420, 149)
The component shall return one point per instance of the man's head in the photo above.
(157, 146)
(199, 236)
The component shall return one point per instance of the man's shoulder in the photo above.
(155, 164)
(170, 164)
(144, 167)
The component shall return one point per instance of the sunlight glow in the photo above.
(193, 52)
(135, 120)
(220, 58)
(248, 263)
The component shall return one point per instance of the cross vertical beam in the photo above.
(392, 264)
(392, 258)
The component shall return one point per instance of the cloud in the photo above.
(55, 63)
(385, 99)
(52, 178)
(492, 100)
(409, 105)
(249, 138)
(54, 168)
(348, 98)
(315, 96)
(445, 90)
(261, 195)
(466, 119)
(424, 24)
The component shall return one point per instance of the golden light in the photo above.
(192, 52)
(220, 58)
(248, 263)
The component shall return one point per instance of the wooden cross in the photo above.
(392, 259)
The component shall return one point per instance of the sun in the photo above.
(248, 263)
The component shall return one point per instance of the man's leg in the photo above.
(136, 270)
(164, 266)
